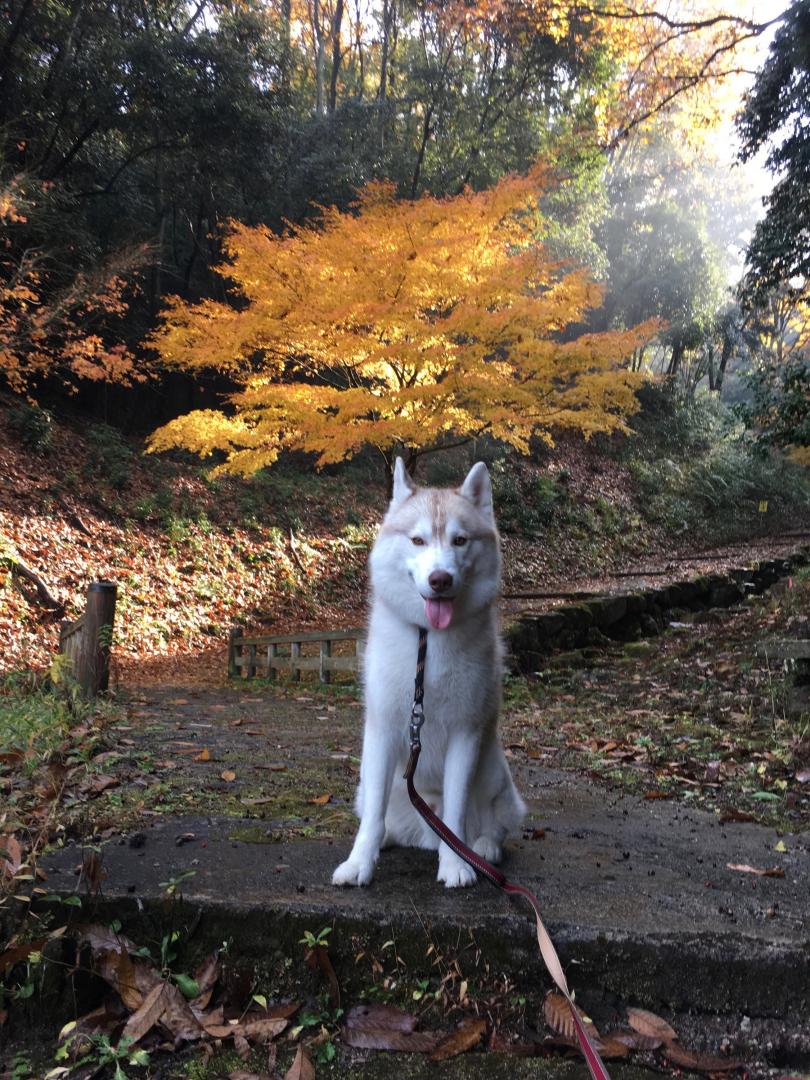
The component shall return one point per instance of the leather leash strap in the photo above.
(491, 873)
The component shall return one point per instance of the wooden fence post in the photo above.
(92, 666)
(233, 644)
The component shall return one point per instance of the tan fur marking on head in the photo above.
(439, 499)
(439, 506)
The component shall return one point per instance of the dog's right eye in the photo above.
(417, 541)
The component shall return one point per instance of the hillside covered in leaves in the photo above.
(193, 555)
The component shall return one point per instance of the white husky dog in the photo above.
(436, 564)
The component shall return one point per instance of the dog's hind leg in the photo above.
(498, 816)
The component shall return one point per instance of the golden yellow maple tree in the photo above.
(397, 325)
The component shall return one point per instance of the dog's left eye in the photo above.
(460, 541)
(417, 541)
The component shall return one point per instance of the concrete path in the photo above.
(638, 895)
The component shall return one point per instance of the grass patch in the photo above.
(33, 718)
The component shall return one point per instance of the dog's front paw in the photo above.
(353, 872)
(455, 873)
(488, 849)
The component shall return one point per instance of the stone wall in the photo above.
(634, 615)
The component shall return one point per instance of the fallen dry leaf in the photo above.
(465, 1037)
(18, 953)
(384, 1027)
(178, 1018)
(262, 1031)
(301, 1068)
(743, 868)
(647, 1023)
(204, 755)
(557, 1013)
(318, 960)
(10, 854)
(382, 1016)
(385, 1038)
(146, 1015)
(735, 815)
(241, 1045)
(102, 937)
(276, 1012)
(118, 970)
(690, 1059)
(499, 1043)
(319, 800)
(610, 1048)
(635, 1040)
(97, 783)
(206, 977)
(228, 776)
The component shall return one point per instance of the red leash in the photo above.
(491, 873)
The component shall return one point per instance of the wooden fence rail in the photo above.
(87, 641)
(293, 653)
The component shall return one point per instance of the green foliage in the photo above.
(313, 941)
(697, 472)
(523, 504)
(779, 409)
(101, 1053)
(111, 457)
(32, 716)
(33, 426)
(21, 1067)
(671, 423)
(777, 114)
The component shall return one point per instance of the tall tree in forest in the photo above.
(777, 114)
(401, 324)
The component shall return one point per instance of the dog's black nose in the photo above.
(440, 581)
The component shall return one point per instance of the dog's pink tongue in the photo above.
(439, 613)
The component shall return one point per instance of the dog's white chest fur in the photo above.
(436, 564)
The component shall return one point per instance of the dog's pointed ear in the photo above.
(477, 487)
(403, 485)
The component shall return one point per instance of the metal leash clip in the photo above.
(417, 719)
